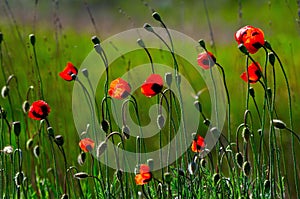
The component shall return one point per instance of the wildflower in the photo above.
(8, 150)
(251, 37)
(206, 60)
(144, 176)
(86, 144)
(152, 86)
(119, 89)
(69, 72)
(39, 110)
(198, 144)
(254, 73)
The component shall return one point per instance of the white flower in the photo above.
(8, 150)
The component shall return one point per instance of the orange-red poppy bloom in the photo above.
(254, 73)
(86, 144)
(39, 110)
(251, 37)
(198, 144)
(119, 89)
(67, 73)
(152, 86)
(144, 176)
(206, 60)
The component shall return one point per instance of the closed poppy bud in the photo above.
(268, 45)
(81, 158)
(168, 78)
(202, 43)
(36, 151)
(59, 140)
(239, 159)
(181, 172)
(101, 149)
(126, 131)
(85, 72)
(243, 49)
(64, 196)
(206, 122)
(141, 43)
(25, 106)
(198, 106)
(32, 39)
(156, 16)
(3, 113)
(269, 92)
(178, 79)
(148, 27)
(160, 121)
(29, 143)
(267, 186)
(271, 58)
(251, 92)
(192, 167)
(50, 131)
(168, 177)
(105, 126)
(4, 91)
(119, 175)
(81, 175)
(279, 124)
(17, 128)
(95, 40)
(19, 178)
(1, 37)
(203, 163)
(246, 168)
(246, 134)
(216, 177)
(150, 163)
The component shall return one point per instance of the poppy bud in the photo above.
(156, 16)
(216, 178)
(202, 43)
(203, 163)
(36, 151)
(32, 39)
(4, 91)
(85, 72)
(59, 140)
(168, 177)
(101, 148)
(168, 78)
(105, 126)
(119, 175)
(279, 124)
(181, 172)
(246, 134)
(259, 131)
(2, 113)
(246, 168)
(95, 40)
(81, 158)
(1, 37)
(178, 79)
(267, 186)
(150, 163)
(98, 48)
(8, 150)
(160, 121)
(192, 167)
(126, 131)
(271, 58)
(268, 45)
(29, 143)
(141, 43)
(25, 106)
(50, 131)
(251, 92)
(19, 178)
(269, 92)
(64, 196)
(80, 175)
(17, 128)
(198, 106)
(49, 170)
(148, 27)
(206, 122)
(243, 49)
(239, 159)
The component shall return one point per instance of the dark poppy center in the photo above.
(257, 45)
(88, 147)
(156, 87)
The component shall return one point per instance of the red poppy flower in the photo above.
(206, 60)
(254, 72)
(39, 110)
(152, 86)
(119, 89)
(251, 37)
(144, 176)
(198, 144)
(86, 144)
(70, 69)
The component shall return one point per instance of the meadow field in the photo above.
(70, 127)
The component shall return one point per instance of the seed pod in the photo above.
(36, 151)
(81, 158)
(279, 124)
(17, 128)
(168, 78)
(101, 148)
(29, 143)
(160, 121)
(246, 168)
(5, 91)
(81, 175)
(25, 106)
(168, 177)
(105, 126)
(239, 159)
(59, 140)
